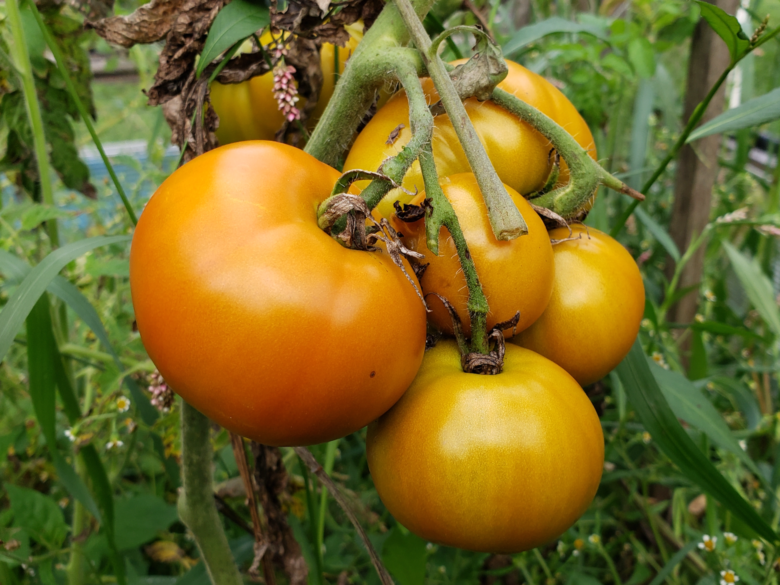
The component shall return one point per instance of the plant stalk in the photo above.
(22, 62)
(196, 500)
(75, 568)
(55, 49)
(505, 218)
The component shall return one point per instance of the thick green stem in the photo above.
(62, 66)
(505, 218)
(585, 173)
(196, 501)
(22, 62)
(366, 71)
(689, 127)
(441, 214)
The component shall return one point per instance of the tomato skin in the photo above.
(249, 111)
(231, 276)
(519, 153)
(596, 307)
(495, 464)
(516, 275)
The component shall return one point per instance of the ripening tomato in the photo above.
(496, 464)
(596, 307)
(248, 110)
(232, 280)
(520, 155)
(516, 275)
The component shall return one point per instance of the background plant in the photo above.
(621, 64)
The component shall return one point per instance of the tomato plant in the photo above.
(597, 304)
(520, 155)
(248, 110)
(488, 463)
(516, 275)
(254, 315)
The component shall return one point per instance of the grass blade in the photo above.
(38, 280)
(661, 422)
(61, 65)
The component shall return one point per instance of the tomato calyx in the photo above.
(472, 362)
(358, 236)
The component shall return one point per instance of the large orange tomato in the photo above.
(516, 275)
(248, 110)
(499, 463)
(520, 155)
(596, 307)
(232, 280)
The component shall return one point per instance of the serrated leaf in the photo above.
(139, 519)
(757, 286)
(534, 32)
(642, 57)
(38, 213)
(660, 421)
(27, 294)
(37, 514)
(404, 554)
(235, 22)
(726, 27)
(752, 113)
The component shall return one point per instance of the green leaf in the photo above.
(235, 22)
(642, 57)
(757, 286)
(534, 32)
(726, 27)
(42, 357)
(689, 404)
(722, 329)
(697, 368)
(745, 399)
(676, 559)
(659, 233)
(640, 130)
(660, 421)
(39, 515)
(752, 113)
(36, 214)
(17, 269)
(139, 519)
(404, 554)
(23, 300)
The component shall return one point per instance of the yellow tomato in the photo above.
(499, 463)
(596, 307)
(516, 275)
(248, 110)
(520, 155)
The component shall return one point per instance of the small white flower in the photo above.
(71, 435)
(710, 296)
(730, 537)
(561, 547)
(122, 404)
(114, 444)
(646, 323)
(729, 577)
(708, 542)
(761, 558)
(743, 446)
(576, 553)
(757, 544)
(594, 539)
(646, 437)
(699, 318)
(658, 358)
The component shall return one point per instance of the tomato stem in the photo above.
(196, 502)
(585, 174)
(505, 218)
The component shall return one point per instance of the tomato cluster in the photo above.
(274, 330)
